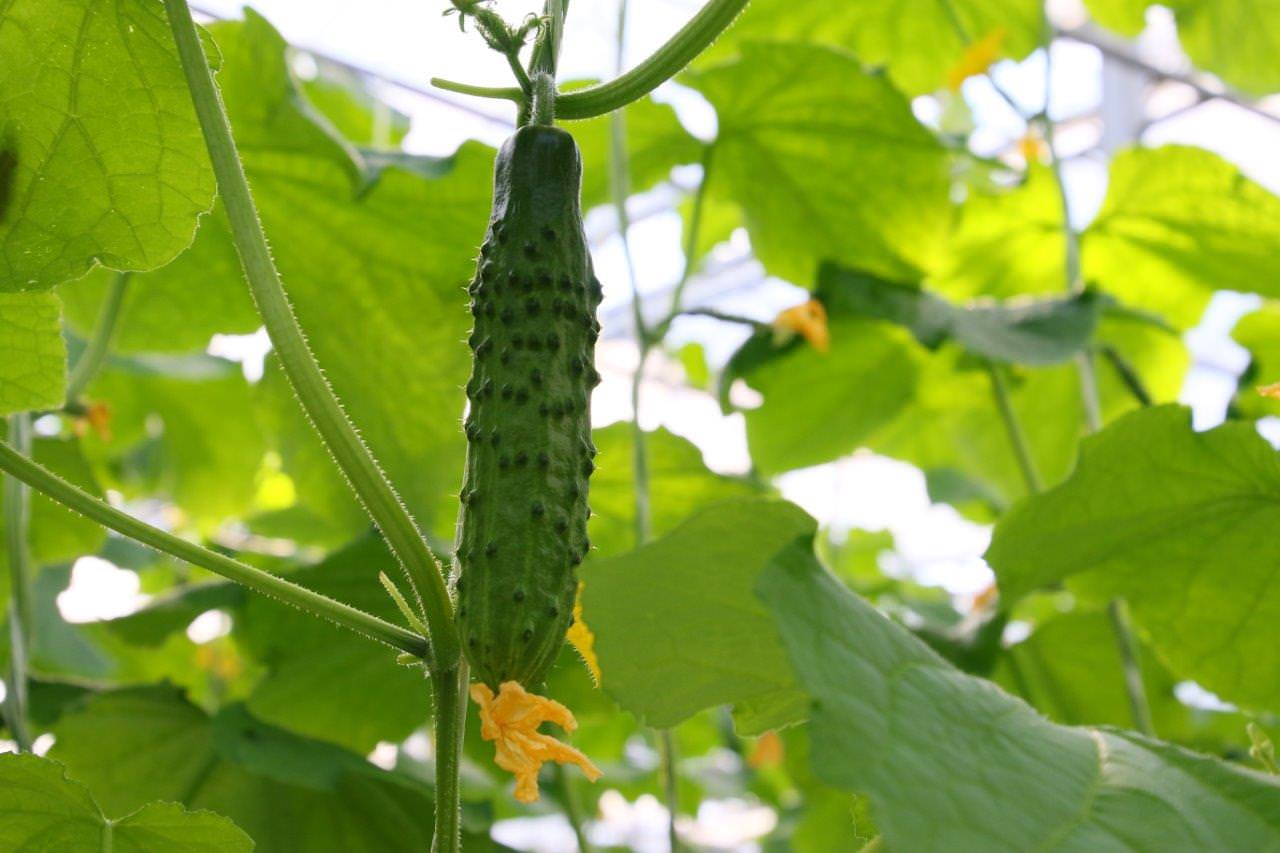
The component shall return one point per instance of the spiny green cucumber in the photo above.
(522, 529)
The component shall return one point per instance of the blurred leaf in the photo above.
(184, 427)
(289, 793)
(1127, 17)
(104, 162)
(343, 97)
(1180, 524)
(153, 624)
(677, 629)
(828, 163)
(656, 143)
(1032, 332)
(1071, 671)
(1179, 223)
(920, 41)
(1007, 243)
(679, 484)
(1259, 333)
(178, 307)
(42, 808)
(820, 406)
(33, 370)
(328, 683)
(944, 755)
(374, 263)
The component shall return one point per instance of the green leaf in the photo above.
(679, 483)
(920, 41)
(1179, 223)
(828, 163)
(819, 406)
(178, 307)
(1179, 523)
(208, 448)
(33, 369)
(1045, 331)
(1127, 17)
(289, 793)
(1236, 41)
(323, 681)
(1259, 333)
(41, 808)
(1007, 243)
(374, 263)
(677, 629)
(949, 760)
(103, 161)
(656, 143)
(343, 97)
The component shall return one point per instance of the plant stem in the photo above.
(691, 239)
(1017, 438)
(450, 692)
(662, 65)
(17, 520)
(670, 783)
(95, 352)
(1120, 625)
(572, 808)
(314, 393)
(46, 482)
(1118, 610)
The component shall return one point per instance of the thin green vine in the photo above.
(314, 393)
(17, 518)
(1017, 438)
(662, 65)
(95, 351)
(46, 482)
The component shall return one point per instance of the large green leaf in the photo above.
(827, 161)
(375, 271)
(33, 366)
(178, 307)
(1179, 223)
(952, 762)
(1181, 524)
(323, 681)
(678, 484)
(1007, 243)
(101, 158)
(287, 792)
(677, 629)
(920, 41)
(42, 809)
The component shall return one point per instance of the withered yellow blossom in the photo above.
(511, 721)
(810, 320)
(581, 638)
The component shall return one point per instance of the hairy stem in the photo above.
(572, 808)
(95, 352)
(17, 518)
(47, 483)
(670, 784)
(309, 384)
(449, 689)
(1118, 610)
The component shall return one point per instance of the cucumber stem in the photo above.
(17, 523)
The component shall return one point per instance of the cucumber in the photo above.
(522, 528)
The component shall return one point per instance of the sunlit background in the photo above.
(1102, 101)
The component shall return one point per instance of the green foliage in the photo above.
(787, 159)
(1177, 522)
(34, 371)
(44, 809)
(103, 159)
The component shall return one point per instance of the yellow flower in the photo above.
(767, 751)
(810, 320)
(511, 721)
(581, 638)
(1272, 391)
(977, 58)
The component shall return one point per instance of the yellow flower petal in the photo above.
(977, 58)
(810, 320)
(511, 721)
(1272, 390)
(767, 751)
(581, 638)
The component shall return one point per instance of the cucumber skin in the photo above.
(522, 528)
